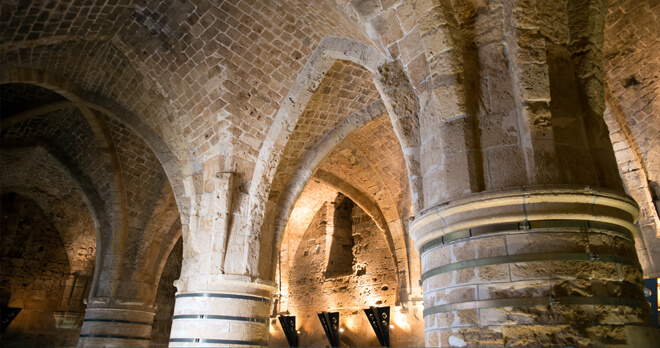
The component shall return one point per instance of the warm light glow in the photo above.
(399, 320)
(391, 327)
(298, 332)
(350, 322)
(341, 330)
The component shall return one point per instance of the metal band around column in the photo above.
(232, 296)
(536, 301)
(114, 336)
(118, 321)
(522, 226)
(219, 317)
(217, 341)
(529, 258)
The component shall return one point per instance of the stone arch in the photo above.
(315, 156)
(81, 182)
(70, 169)
(69, 91)
(91, 106)
(109, 107)
(308, 169)
(37, 273)
(394, 88)
(329, 50)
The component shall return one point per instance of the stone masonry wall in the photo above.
(631, 46)
(160, 333)
(371, 283)
(33, 275)
(37, 176)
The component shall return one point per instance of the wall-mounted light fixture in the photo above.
(330, 323)
(289, 326)
(379, 318)
(8, 315)
(651, 292)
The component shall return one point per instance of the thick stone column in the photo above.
(221, 311)
(533, 267)
(113, 323)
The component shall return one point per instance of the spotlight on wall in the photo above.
(379, 318)
(289, 327)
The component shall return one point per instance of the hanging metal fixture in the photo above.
(379, 318)
(289, 326)
(330, 323)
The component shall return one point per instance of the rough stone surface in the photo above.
(131, 123)
(34, 273)
(630, 39)
(160, 334)
(316, 284)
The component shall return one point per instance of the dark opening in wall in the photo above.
(340, 255)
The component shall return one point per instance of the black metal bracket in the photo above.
(8, 314)
(379, 318)
(330, 323)
(289, 326)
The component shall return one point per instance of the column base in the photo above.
(68, 320)
(221, 311)
(113, 323)
(533, 267)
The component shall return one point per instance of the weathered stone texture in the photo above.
(147, 44)
(345, 89)
(160, 334)
(33, 277)
(232, 123)
(631, 69)
(62, 203)
(147, 196)
(536, 279)
(543, 281)
(56, 128)
(371, 160)
(371, 281)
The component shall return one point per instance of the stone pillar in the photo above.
(113, 323)
(72, 313)
(221, 311)
(544, 266)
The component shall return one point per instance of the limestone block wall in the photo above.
(33, 276)
(558, 278)
(160, 333)
(99, 184)
(372, 282)
(631, 64)
(483, 95)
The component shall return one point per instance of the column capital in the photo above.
(508, 209)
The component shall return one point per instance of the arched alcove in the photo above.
(35, 276)
(342, 264)
(339, 204)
